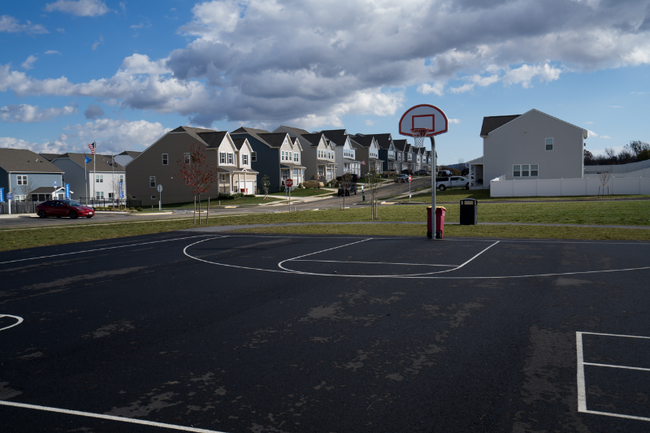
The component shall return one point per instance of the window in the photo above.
(230, 158)
(549, 144)
(153, 197)
(534, 170)
(152, 181)
(111, 195)
(99, 178)
(165, 159)
(21, 179)
(99, 194)
(223, 178)
(222, 157)
(525, 170)
(186, 157)
(296, 157)
(244, 159)
(254, 157)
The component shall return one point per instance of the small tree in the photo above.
(197, 174)
(346, 184)
(373, 180)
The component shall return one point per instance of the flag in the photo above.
(91, 146)
(87, 159)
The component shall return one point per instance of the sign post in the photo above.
(10, 196)
(289, 183)
(160, 188)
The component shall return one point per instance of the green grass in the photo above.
(623, 213)
(306, 192)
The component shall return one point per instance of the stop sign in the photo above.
(288, 183)
(409, 177)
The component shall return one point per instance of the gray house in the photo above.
(345, 154)
(28, 175)
(159, 164)
(99, 179)
(277, 155)
(367, 150)
(533, 145)
(318, 153)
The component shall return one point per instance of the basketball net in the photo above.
(419, 134)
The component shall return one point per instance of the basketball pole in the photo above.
(433, 188)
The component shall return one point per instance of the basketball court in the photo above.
(200, 332)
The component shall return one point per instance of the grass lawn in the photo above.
(619, 212)
(305, 192)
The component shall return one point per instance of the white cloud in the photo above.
(591, 134)
(81, 8)
(29, 63)
(9, 24)
(98, 43)
(454, 120)
(114, 136)
(31, 113)
(52, 52)
(269, 61)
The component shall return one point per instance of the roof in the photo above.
(400, 144)
(25, 161)
(490, 123)
(97, 162)
(213, 139)
(363, 140)
(239, 142)
(50, 156)
(193, 132)
(336, 136)
(294, 131)
(383, 140)
(132, 153)
(313, 139)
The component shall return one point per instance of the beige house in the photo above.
(159, 165)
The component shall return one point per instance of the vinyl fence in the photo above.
(500, 187)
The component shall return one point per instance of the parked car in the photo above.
(422, 172)
(352, 188)
(452, 182)
(402, 178)
(60, 208)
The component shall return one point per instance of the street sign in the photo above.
(159, 187)
(10, 196)
(409, 177)
(288, 183)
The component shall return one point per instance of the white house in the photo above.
(533, 145)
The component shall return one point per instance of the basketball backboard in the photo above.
(420, 117)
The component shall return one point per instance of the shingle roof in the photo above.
(239, 141)
(363, 140)
(212, 138)
(490, 123)
(383, 140)
(313, 139)
(25, 161)
(337, 136)
(400, 144)
(101, 162)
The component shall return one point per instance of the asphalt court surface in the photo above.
(208, 332)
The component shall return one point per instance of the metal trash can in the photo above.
(468, 212)
(440, 221)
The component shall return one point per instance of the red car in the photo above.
(59, 208)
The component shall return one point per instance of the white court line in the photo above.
(582, 392)
(428, 275)
(107, 417)
(19, 320)
(97, 249)
(375, 263)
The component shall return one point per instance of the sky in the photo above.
(123, 73)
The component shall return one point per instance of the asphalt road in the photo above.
(203, 332)
(31, 220)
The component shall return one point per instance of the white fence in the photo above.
(500, 187)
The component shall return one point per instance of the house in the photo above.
(400, 146)
(28, 175)
(345, 154)
(387, 152)
(92, 177)
(367, 150)
(533, 145)
(318, 153)
(159, 165)
(277, 155)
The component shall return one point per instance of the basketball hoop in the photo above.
(419, 134)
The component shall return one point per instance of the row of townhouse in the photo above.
(242, 157)
(246, 155)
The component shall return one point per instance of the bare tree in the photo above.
(197, 174)
(604, 179)
(373, 179)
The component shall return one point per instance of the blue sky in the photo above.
(124, 73)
